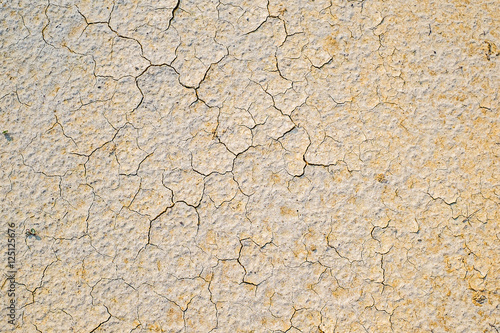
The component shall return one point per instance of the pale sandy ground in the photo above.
(251, 166)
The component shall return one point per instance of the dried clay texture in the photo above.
(251, 166)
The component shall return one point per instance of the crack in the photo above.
(103, 322)
(138, 167)
(177, 6)
(62, 129)
(46, 26)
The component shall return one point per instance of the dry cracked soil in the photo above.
(250, 166)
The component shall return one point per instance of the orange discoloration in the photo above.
(286, 211)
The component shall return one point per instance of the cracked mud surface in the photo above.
(252, 166)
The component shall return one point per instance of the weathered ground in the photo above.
(252, 166)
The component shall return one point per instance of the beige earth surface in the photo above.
(250, 166)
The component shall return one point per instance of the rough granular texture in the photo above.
(251, 166)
